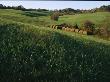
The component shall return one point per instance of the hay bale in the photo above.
(67, 29)
(81, 31)
(56, 27)
(85, 32)
(76, 30)
(53, 26)
(63, 28)
(72, 30)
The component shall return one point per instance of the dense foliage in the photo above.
(89, 26)
(55, 16)
(104, 30)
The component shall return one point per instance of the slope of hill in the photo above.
(30, 53)
(96, 18)
(42, 18)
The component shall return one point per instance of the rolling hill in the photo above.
(30, 52)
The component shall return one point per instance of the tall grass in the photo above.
(32, 54)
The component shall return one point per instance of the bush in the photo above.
(64, 25)
(104, 31)
(1, 6)
(76, 26)
(55, 16)
(89, 26)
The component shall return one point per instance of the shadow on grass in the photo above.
(29, 54)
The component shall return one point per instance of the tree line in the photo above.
(71, 11)
(20, 7)
(61, 11)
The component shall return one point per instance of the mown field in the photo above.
(30, 52)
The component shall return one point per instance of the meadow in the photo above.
(43, 18)
(32, 52)
(79, 19)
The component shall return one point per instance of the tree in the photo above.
(1, 6)
(55, 16)
(89, 26)
(20, 7)
(104, 30)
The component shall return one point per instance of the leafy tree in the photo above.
(55, 16)
(20, 7)
(1, 6)
(89, 26)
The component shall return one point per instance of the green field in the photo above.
(42, 18)
(31, 52)
(79, 19)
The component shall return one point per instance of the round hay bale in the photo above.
(53, 26)
(63, 28)
(76, 30)
(85, 32)
(81, 31)
(67, 29)
(72, 30)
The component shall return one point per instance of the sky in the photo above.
(57, 4)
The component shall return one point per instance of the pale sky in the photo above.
(57, 4)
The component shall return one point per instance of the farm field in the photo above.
(45, 20)
(96, 18)
(32, 52)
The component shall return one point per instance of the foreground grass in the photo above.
(29, 53)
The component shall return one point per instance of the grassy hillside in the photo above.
(20, 16)
(42, 18)
(96, 18)
(36, 13)
(30, 53)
